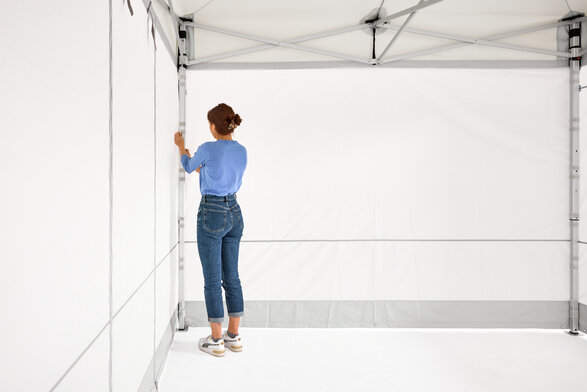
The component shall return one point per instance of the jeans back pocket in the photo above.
(214, 219)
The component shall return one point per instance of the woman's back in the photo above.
(223, 165)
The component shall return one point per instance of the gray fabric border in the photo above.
(394, 314)
(582, 317)
(158, 360)
(500, 64)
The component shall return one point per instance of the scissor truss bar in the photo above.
(487, 41)
(287, 44)
(398, 32)
(291, 43)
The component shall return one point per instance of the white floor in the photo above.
(392, 359)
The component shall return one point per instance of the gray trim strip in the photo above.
(582, 317)
(159, 358)
(154, 379)
(394, 314)
(498, 64)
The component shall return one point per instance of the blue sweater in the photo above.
(223, 165)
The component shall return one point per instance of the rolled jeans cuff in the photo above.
(236, 314)
(215, 319)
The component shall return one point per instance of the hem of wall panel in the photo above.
(582, 317)
(394, 314)
(151, 377)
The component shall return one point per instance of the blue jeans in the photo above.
(220, 228)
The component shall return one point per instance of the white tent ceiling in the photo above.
(281, 22)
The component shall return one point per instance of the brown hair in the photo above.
(224, 118)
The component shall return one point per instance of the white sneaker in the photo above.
(208, 345)
(234, 344)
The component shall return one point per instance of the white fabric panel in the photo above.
(353, 154)
(132, 336)
(167, 24)
(54, 199)
(350, 154)
(365, 270)
(167, 184)
(133, 150)
(91, 372)
(167, 154)
(166, 288)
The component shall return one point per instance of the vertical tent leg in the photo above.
(575, 65)
(181, 189)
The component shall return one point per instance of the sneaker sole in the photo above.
(213, 352)
(235, 349)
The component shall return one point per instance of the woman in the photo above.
(219, 225)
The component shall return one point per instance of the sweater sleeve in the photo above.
(199, 159)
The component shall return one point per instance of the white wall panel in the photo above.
(132, 337)
(54, 199)
(166, 289)
(368, 270)
(167, 152)
(133, 150)
(167, 186)
(395, 153)
(91, 372)
(368, 154)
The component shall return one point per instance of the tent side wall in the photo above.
(63, 300)
(395, 197)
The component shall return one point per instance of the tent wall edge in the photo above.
(182, 56)
(493, 64)
(161, 32)
(574, 172)
(159, 358)
(583, 317)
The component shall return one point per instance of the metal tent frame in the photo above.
(184, 27)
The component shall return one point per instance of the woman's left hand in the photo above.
(179, 142)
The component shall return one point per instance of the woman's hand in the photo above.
(179, 142)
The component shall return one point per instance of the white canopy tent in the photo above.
(497, 35)
(411, 164)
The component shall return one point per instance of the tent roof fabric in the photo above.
(218, 24)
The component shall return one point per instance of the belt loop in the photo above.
(204, 198)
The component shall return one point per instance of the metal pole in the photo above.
(575, 66)
(183, 60)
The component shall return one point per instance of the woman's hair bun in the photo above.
(234, 120)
